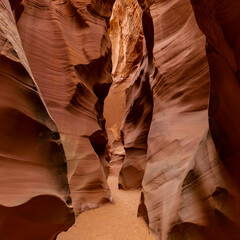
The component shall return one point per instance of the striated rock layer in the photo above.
(126, 35)
(189, 188)
(69, 52)
(116, 150)
(180, 97)
(136, 123)
(127, 38)
(35, 198)
(129, 92)
(138, 113)
(223, 52)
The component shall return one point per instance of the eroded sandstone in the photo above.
(189, 188)
(136, 123)
(35, 198)
(68, 48)
(129, 92)
(180, 119)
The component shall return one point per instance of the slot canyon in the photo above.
(120, 120)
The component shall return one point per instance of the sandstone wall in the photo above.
(190, 186)
(127, 39)
(69, 52)
(35, 198)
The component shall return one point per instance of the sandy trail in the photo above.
(112, 222)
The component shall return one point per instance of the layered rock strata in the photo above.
(128, 49)
(223, 52)
(136, 123)
(116, 149)
(69, 52)
(35, 199)
(190, 184)
(126, 35)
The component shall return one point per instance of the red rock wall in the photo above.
(35, 198)
(180, 98)
(220, 21)
(127, 39)
(69, 52)
(188, 186)
(190, 189)
(131, 95)
(136, 123)
(138, 115)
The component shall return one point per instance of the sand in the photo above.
(117, 221)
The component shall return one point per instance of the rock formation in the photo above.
(116, 148)
(128, 49)
(180, 97)
(127, 38)
(69, 52)
(35, 199)
(126, 35)
(176, 78)
(223, 52)
(189, 187)
(136, 123)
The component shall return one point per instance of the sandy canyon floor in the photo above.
(117, 221)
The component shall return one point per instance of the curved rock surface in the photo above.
(68, 48)
(128, 93)
(180, 97)
(116, 150)
(35, 197)
(126, 35)
(188, 187)
(180, 128)
(223, 52)
(136, 123)
(127, 38)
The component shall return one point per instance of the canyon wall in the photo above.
(69, 52)
(176, 79)
(223, 52)
(180, 98)
(127, 39)
(191, 181)
(55, 74)
(136, 123)
(35, 198)
(131, 95)
(138, 114)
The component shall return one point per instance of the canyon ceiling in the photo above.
(173, 114)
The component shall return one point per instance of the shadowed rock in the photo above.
(136, 123)
(190, 190)
(35, 197)
(69, 52)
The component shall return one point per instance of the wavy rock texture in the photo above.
(116, 149)
(128, 49)
(209, 205)
(127, 38)
(136, 123)
(180, 97)
(223, 52)
(113, 111)
(138, 115)
(126, 35)
(35, 197)
(187, 191)
(69, 51)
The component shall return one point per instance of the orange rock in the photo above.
(68, 48)
(35, 199)
(190, 191)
